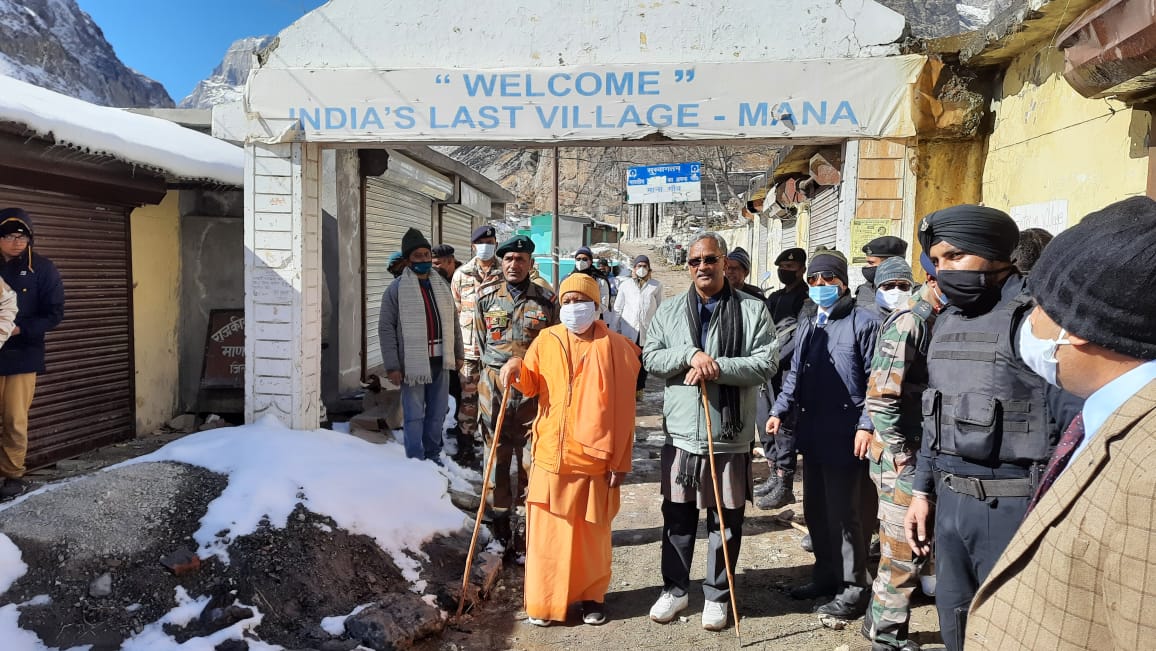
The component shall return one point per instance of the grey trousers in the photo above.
(679, 526)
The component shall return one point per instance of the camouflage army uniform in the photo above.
(504, 326)
(894, 400)
(468, 279)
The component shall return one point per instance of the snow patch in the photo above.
(336, 625)
(365, 488)
(139, 139)
(38, 600)
(12, 565)
(18, 639)
(154, 637)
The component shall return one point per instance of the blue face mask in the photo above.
(421, 268)
(824, 295)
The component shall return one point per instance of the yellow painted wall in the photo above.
(1050, 143)
(156, 273)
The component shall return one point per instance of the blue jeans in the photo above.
(424, 407)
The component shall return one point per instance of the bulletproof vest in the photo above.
(982, 403)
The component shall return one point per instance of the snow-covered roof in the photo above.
(157, 144)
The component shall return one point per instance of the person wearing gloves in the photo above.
(638, 299)
(581, 443)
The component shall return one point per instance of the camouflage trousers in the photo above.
(468, 405)
(512, 457)
(899, 569)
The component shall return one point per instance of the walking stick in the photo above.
(482, 506)
(719, 507)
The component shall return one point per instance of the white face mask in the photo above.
(642, 272)
(486, 251)
(578, 317)
(582, 265)
(1040, 354)
(892, 299)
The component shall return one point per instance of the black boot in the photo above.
(502, 530)
(782, 495)
(769, 485)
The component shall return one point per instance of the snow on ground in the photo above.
(139, 139)
(366, 488)
(336, 625)
(154, 638)
(12, 565)
(18, 639)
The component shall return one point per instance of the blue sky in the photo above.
(179, 43)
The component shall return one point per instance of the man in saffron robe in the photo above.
(581, 445)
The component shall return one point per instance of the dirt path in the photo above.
(771, 562)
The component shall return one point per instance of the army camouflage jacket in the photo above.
(504, 326)
(465, 284)
(899, 376)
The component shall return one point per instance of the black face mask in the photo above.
(869, 274)
(788, 277)
(971, 291)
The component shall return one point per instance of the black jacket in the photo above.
(40, 298)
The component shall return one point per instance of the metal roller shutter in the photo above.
(389, 212)
(86, 397)
(824, 218)
(457, 226)
(790, 234)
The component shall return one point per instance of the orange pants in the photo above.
(16, 393)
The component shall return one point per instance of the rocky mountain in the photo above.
(227, 82)
(56, 45)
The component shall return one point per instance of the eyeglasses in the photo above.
(896, 284)
(15, 237)
(825, 275)
(706, 259)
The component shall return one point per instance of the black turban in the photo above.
(1095, 279)
(979, 230)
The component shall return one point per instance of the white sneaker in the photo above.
(714, 615)
(668, 607)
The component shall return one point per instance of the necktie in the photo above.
(1071, 440)
(822, 319)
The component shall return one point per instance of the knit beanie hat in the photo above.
(1095, 279)
(15, 220)
(583, 284)
(893, 269)
(412, 241)
(741, 256)
(640, 258)
(829, 260)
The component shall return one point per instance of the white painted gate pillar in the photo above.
(283, 283)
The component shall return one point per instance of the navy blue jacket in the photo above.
(40, 299)
(826, 387)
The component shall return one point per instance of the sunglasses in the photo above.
(825, 275)
(896, 284)
(706, 259)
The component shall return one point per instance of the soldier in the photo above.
(894, 394)
(877, 250)
(989, 422)
(467, 279)
(508, 316)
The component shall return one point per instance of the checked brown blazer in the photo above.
(1080, 573)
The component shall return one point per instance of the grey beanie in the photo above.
(893, 269)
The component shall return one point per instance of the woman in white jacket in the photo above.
(638, 300)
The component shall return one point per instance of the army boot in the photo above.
(782, 494)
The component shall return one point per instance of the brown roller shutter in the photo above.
(86, 399)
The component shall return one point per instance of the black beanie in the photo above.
(412, 241)
(1096, 278)
(15, 220)
(829, 260)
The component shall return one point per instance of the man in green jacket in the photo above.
(724, 338)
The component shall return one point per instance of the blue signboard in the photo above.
(664, 183)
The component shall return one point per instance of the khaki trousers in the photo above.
(16, 393)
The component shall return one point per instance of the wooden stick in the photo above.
(722, 525)
(482, 505)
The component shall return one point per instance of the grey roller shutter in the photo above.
(457, 226)
(389, 212)
(824, 219)
(790, 234)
